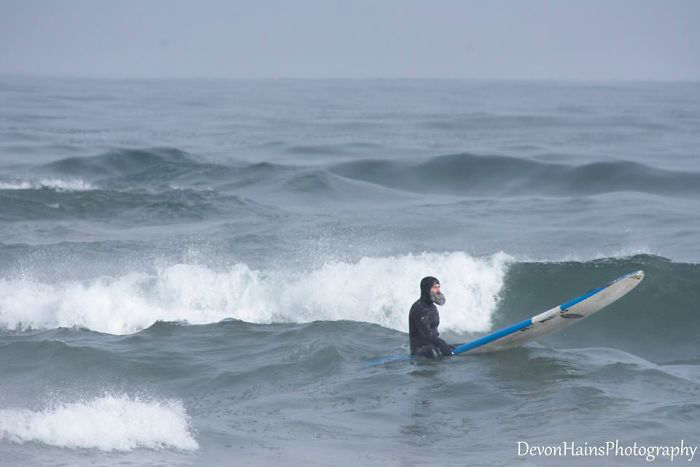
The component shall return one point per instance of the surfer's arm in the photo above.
(432, 335)
(444, 347)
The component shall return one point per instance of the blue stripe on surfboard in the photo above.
(570, 303)
(492, 337)
(590, 293)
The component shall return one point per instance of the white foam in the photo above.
(23, 185)
(71, 184)
(108, 423)
(377, 290)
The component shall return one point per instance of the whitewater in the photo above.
(199, 295)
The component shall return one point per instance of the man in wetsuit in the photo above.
(423, 321)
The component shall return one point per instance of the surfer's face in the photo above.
(436, 296)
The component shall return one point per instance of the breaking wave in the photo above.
(108, 423)
(375, 289)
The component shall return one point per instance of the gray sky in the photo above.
(496, 39)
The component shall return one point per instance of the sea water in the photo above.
(197, 272)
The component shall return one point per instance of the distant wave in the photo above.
(120, 162)
(508, 176)
(173, 204)
(108, 423)
(457, 174)
(165, 169)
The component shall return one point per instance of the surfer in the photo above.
(424, 319)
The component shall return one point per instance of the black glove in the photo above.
(446, 350)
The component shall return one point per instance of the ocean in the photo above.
(197, 272)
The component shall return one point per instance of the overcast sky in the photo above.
(496, 39)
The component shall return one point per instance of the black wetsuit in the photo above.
(423, 321)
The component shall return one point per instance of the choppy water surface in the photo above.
(197, 272)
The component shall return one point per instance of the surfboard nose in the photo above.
(639, 275)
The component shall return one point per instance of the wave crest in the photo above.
(120, 162)
(107, 423)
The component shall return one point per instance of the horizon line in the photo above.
(347, 78)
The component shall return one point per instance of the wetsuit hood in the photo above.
(425, 285)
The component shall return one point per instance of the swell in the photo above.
(120, 162)
(469, 174)
(120, 207)
(164, 170)
(154, 169)
(161, 169)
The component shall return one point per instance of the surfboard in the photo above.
(547, 322)
(555, 319)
